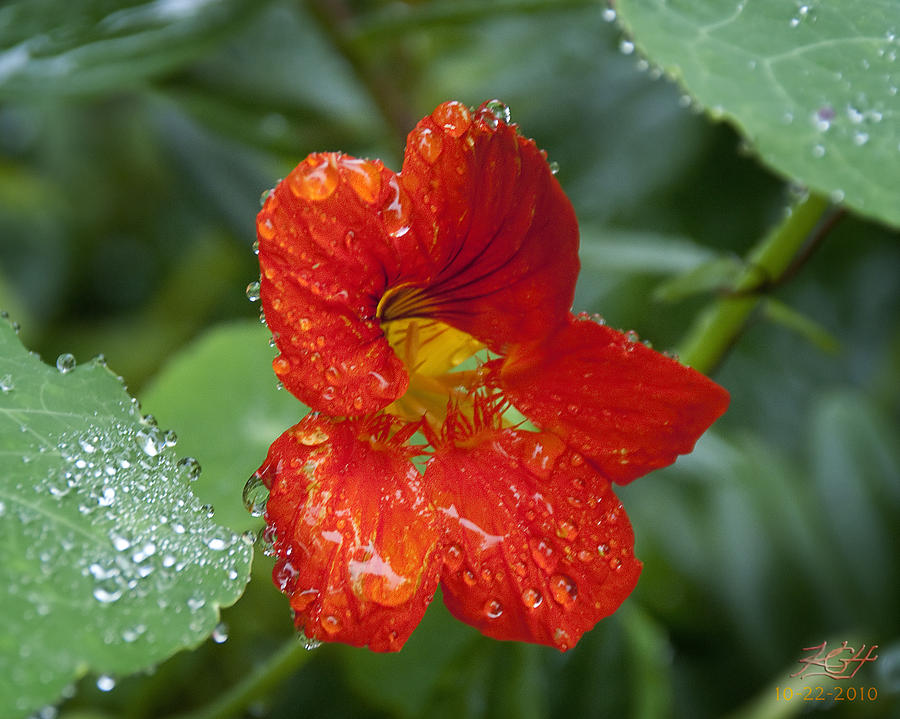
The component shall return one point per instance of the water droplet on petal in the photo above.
(255, 495)
(532, 598)
(253, 291)
(364, 177)
(395, 214)
(453, 116)
(495, 112)
(493, 608)
(454, 557)
(65, 363)
(315, 179)
(330, 623)
(427, 143)
(265, 229)
(563, 589)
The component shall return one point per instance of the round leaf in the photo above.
(812, 85)
(109, 563)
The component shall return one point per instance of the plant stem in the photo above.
(256, 685)
(719, 326)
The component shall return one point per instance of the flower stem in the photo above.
(256, 685)
(768, 263)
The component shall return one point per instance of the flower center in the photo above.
(432, 352)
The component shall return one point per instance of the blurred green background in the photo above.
(135, 140)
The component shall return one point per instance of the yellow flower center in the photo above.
(431, 350)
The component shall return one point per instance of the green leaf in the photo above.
(813, 86)
(221, 394)
(57, 47)
(110, 564)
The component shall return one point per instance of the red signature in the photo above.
(832, 664)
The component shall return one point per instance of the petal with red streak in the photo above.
(354, 537)
(627, 408)
(329, 247)
(504, 242)
(538, 548)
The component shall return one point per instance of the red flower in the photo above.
(376, 287)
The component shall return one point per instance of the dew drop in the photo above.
(454, 557)
(532, 598)
(313, 437)
(217, 544)
(265, 196)
(105, 683)
(563, 589)
(493, 608)
(315, 179)
(395, 214)
(103, 595)
(253, 291)
(208, 510)
(428, 144)
(818, 151)
(149, 441)
(364, 177)
(626, 47)
(330, 623)
(65, 363)
(6, 384)
(608, 15)
(196, 603)
(255, 495)
(453, 116)
(190, 467)
(220, 633)
(494, 112)
(554, 168)
(309, 643)
(265, 229)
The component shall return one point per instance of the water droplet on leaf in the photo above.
(65, 363)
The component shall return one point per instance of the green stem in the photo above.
(719, 326)
(256, 685)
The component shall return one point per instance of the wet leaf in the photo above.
(56, 47)
(813, 86)
(221, 394)
(110, 563)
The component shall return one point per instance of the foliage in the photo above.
(135, 139)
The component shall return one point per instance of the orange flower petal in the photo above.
(354, 536)
(327, 253)
(504, 246)
(627, 408)
(538, 548)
